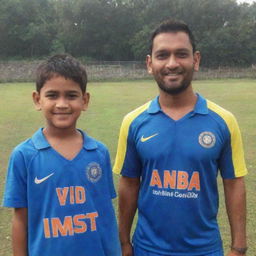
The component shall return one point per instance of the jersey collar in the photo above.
(40, 141)
(154, 106)
(89, 142)
(200, 107)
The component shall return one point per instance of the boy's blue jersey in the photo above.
(178, 162)
(69, 202)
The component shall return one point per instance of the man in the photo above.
(169, 153)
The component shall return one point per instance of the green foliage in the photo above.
(26, 27)
(120, 29)
(139, 42)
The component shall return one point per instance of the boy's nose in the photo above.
(61, 103)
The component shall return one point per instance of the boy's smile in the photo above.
(61, 101)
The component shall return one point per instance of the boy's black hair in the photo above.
(170, 26)
(61, 65)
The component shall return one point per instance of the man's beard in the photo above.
(176, 89)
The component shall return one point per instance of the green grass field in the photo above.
(109, 103)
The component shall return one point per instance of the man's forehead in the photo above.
(178, 39)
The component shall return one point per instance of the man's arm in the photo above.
(19, 232)
(235, 198)
(128, 197)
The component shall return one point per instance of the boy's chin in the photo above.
(61, 126)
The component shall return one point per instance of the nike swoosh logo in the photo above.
(38, 181)
(143, 139)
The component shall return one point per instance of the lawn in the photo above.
(109, 103)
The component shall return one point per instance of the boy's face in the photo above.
(61, 101)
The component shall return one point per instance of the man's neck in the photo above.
(178, 105)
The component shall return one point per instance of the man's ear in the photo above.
(149, 64)
(36, 99)
(86, 99)
(197, 58)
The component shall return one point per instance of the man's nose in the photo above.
(172, 62)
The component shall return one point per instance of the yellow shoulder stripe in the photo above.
(236, 139)
(122, 141)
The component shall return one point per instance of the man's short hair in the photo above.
(170, 26)
(61, 65)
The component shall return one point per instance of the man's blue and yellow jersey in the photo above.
(178, 163)
(69, 202)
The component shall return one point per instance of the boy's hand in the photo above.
(19, 232)
(127, 249)
(232, 253)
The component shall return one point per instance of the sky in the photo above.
(246, 1)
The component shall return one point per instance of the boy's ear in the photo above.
(86, 99)
(36, 99)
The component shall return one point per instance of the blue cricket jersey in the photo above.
(69, 202)
(178, 162)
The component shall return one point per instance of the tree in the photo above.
(100, 29)
(26, 28)
(120, 29)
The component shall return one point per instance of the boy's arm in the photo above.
(19, 232)
(128, 196)
(235, 197)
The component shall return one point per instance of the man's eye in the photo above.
(161, 56)
(182, 54)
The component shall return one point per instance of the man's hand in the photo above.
(127, 205)
(127, 249)
(235, 197)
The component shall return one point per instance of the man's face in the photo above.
(173, 62)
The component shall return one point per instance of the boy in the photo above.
(59, 182)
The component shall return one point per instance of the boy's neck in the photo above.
(62, 134)
(67, 143)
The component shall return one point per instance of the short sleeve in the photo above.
(15, 194)
(127, 161)
(232, 162)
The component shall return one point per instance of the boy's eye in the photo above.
(51, 95)
(72, 96)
